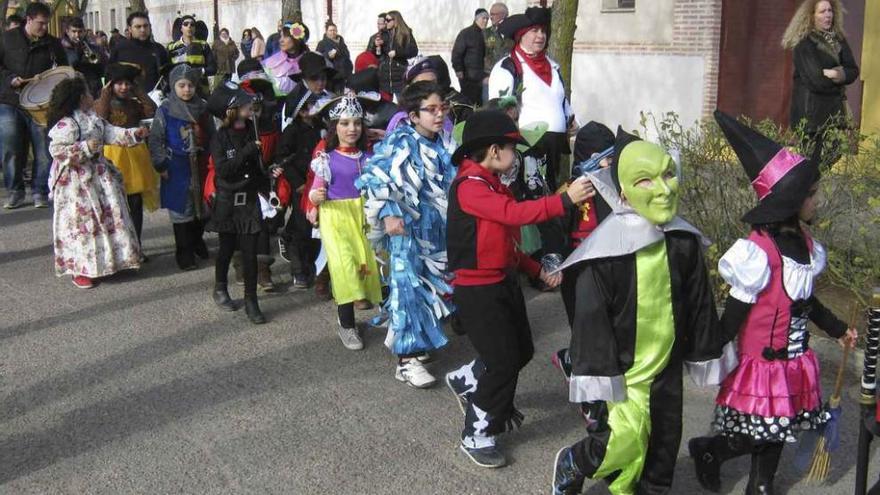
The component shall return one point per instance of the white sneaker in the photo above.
(350, 339)
(414, 373)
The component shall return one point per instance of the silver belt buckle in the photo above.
(240, 199)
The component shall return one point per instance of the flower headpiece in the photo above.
(299, 31)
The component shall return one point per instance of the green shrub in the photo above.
(716, 193)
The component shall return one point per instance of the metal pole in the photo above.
(868, 400)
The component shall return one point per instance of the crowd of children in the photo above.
(432, 229)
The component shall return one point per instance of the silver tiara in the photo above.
(347, 107)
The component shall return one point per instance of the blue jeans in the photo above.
(17, 130)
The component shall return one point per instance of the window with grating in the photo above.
(618, 5)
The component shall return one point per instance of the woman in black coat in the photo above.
(334, 48)
(823, 67)
(398, 46)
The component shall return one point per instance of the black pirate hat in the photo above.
(253, 78)
(227, 95)
(533, 16)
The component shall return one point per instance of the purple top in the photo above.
(344, 170)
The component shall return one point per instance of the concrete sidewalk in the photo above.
(142, 386)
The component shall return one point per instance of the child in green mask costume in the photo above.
(644, 306)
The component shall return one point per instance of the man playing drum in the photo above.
(24, 53)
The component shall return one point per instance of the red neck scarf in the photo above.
(348, 150)
(539, 63)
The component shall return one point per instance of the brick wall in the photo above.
(696, 31)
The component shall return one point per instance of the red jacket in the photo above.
(483, 229)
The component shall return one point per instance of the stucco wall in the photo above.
(662, 57)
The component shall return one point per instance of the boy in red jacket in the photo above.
(483, 228)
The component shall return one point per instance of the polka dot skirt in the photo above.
(729, 421)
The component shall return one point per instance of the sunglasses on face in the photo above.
(187, 24)
(389, 19)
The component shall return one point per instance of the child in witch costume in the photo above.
(774, 393)
(644, 306)
(483, 230)
(124, 104)
(179, 138)
(242, 185)
(354, 274)
(405, 183)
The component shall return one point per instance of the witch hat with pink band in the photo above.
(781, 178)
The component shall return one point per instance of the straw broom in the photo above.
(821, 465)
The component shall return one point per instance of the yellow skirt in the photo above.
(138, 174)
(350, 258)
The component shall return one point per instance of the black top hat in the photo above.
(781, 179)
(122, 71)
(592, 138)
(227, 95)
(311, 65)
(486, 128)
(366, 80)
(534, 16)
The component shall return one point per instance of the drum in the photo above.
(34, 98)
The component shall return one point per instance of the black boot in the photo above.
(252, 308)
(182, 248)
(709, 453)
(765, 462)
(707, 464)
(222, 299)
(197, 232)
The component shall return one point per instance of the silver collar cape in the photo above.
(624, 231)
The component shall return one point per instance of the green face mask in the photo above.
(648, 181)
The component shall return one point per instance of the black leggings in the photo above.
(136, 209)
(346, 315)
(263, 239)
(247, 244)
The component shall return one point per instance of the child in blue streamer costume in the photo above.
(405, 183)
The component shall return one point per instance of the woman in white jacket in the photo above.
(542, 94)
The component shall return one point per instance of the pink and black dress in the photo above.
(775, 391)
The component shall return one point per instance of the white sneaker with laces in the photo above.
(413, 373)
(350, 339)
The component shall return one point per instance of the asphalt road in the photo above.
(143, 386)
